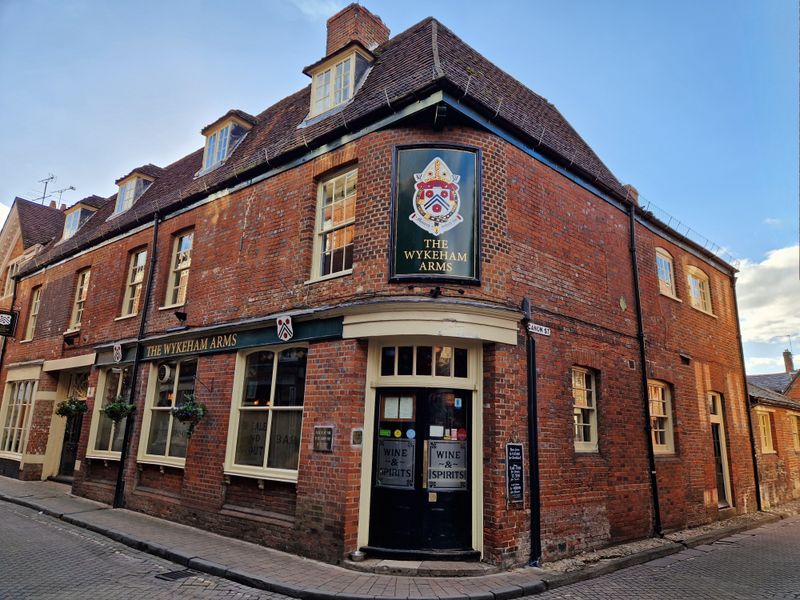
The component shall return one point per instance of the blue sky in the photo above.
(695, 103)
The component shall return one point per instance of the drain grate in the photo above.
(176, 575)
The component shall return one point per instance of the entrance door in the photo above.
(78, 388)
(720, 450)
(421, 484)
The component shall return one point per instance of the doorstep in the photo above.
(421, 568)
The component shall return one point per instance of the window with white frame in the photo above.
(134, 282)
(335, 83)
(699, 290)
(795, 430)
(81, 293)
(267, 413)
(179, 269)
(33, 312)
(74, 219)
(425, 361)
(584, 410)
(660, 402)
(220, 143)
(11, 271)
(106, 434)
(666, 272)
(167, 437)
(15, 416)
(765, 432)
(129, 192)
(336, 225)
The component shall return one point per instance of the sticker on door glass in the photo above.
(396, 464)
(457, 403)
(411, 434)
(447, 466)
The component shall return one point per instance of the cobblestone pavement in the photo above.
(42, 558)
(761, 563)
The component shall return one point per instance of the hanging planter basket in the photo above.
(118, 409)
(190, 411)
(71, 407)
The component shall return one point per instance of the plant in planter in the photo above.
(190, 411)
(118, 409)
(71, 406)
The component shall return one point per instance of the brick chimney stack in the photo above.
(788, 362)
(52, 203)
(633, 193)
(355, 22)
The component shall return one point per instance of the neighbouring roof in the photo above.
(763, 395)
(425, 58)
(149, 169)
(38, 223)
(777, 382)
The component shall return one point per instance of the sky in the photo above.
(694, 103)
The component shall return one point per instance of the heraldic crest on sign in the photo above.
(436, 201)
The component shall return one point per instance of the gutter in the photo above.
(533, 441)
(119, 488)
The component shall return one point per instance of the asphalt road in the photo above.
(42, 557)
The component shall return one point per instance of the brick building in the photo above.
(775, 408)
(401, 209)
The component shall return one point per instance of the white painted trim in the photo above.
(23, 373)
(431, 319)
(74, 362)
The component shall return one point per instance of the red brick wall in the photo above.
(544, 238)
(355, 23)
(779, 472)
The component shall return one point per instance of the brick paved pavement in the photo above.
(43, 558)
(761, 563)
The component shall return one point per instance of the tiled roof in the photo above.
(93, 201)
(234, 112)
(777, 382)
(149, 169)
(38, 223)
(423, 59)
(762, 395)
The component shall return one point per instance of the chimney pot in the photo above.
(355, 23)
(63, 207)
(52, 203)
(788, 362)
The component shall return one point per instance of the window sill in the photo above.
(72, 331)
(287, 477)
(126, 317)
(772, 452)
(172, 306)
(705, 312)
(108, 456)
(329, 277)
(670, 296)
(28, 341)
(179, 463)
(587, 451)
(11, 456)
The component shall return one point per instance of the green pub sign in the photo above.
(436, 210)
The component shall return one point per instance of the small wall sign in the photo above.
(540, 329)
(323, 439)
(357, 437)
(8, 323)
(285, 330)
(515, 473)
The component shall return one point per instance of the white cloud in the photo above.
(770, 222)
(762, 361)
(769, 296)
(4, 210)
(318, 9)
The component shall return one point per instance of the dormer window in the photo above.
(73, 220)
(334, 81)
(129, 191)
(222, 138)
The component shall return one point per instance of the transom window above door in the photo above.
(423, 360)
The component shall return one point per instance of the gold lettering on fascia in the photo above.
(194, 346)
(435, 256)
